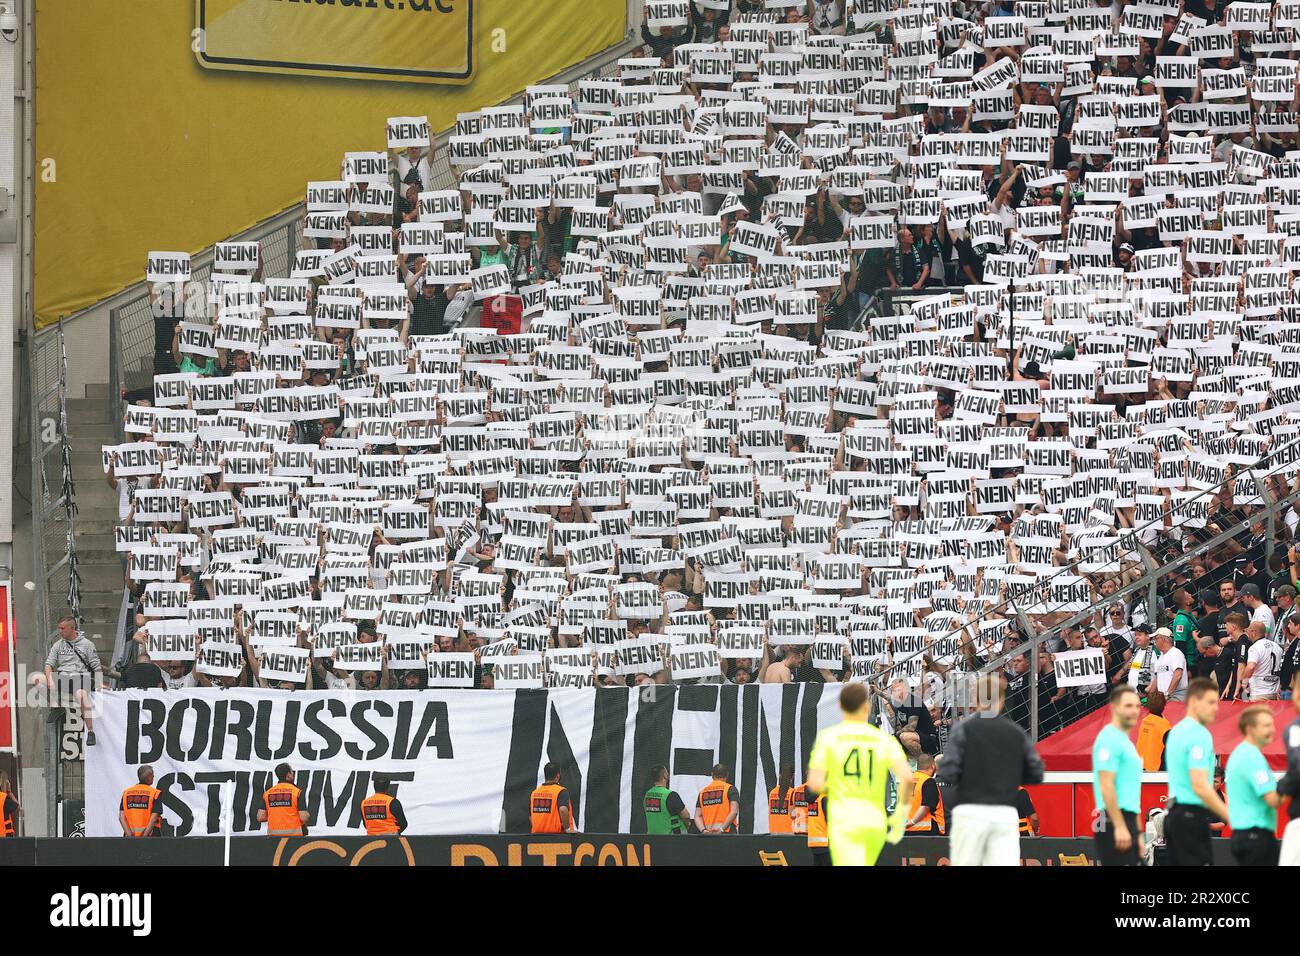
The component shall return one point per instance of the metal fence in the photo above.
(132, 329)
(54, 542)
(1145, 582)
(53, 494)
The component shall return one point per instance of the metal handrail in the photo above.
(1270, 512)
(1155, 574)
(1034, 641)
(52, 505)
(1270, 508)
(885, 297)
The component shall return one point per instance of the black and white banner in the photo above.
(462, 761)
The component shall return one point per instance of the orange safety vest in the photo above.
(715, 804)
(377, 814)
(544, 809)
(6, 820)
(926, 824)
(817, 822)
(1025, 825)
(1151, 741)
(778, 811)
(137, 805)
(799, 809)
(282, 810)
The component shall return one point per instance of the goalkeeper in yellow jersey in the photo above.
(850, 764)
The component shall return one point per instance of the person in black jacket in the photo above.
(708, 20)
(987, 759)
(1288, 637)
(663, 41)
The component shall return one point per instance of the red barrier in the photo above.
(1065, 806)
(8, 691)
(1071, 747)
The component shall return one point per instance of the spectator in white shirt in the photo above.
(1116, 624)
(1142, 664)
(1259, 672)
(1292, 520)
(1259, 611)
(826, 16)
(178, 674)
(1171, 667)
(413, 157)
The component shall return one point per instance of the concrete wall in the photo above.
(11, 261)
(15, 461)
(86, 339)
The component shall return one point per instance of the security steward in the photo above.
(550, 807)
(1026, 813)
(799, 810)
(9, 809)
(282, 806)
(778, 803)
(382, 812)
(140, 815)
(718, 806)
(925, 815)
(819, 840)
(665, 812)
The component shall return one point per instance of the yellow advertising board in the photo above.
(410, 40)
(149, 134)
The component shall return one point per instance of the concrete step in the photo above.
(107, 631)
(89, 410)
(93, 515)
(99, 391)
(95, 525)
(93, 494)
(97, 599)
(101, 577)
(105, 625)
(142, 378)
(101, 617)
(83, 435)
(87, 456)
(86, 459)
(88, 479)
(102, 621)
(95, 542)
(93, 490)
(96, 556)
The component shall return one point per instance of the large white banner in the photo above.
(463, 761)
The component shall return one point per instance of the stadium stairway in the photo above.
(89, 427)
(138, 375)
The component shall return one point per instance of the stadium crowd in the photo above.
(824, 341)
